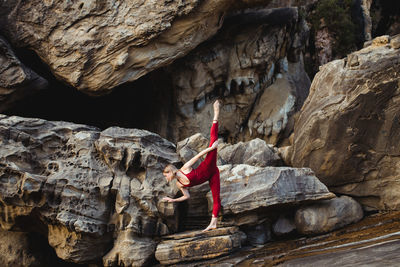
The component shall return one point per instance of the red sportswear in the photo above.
(208, 171)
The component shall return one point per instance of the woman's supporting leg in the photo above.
(215, 191)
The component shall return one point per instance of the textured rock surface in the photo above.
(247, 188)
(255, 48)
(95, 46)
(197, 245)
(348, 131)
(82, 184)
(284, 225)
(255, 152)
(328, 215)
(15, 250)
(130, 250)
(16, 80)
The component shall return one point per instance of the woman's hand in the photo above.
(214, 145)
(168, 199)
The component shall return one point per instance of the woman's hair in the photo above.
(170, 168)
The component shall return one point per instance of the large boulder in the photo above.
(16, 80)
(348, 131)
(196, 245)
(83, 186)
(328, 215)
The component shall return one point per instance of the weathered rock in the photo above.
(247, 188)
(16, 250)
(324, 42)
(347, 131)
(328, 215)
(16, 80)
(82, 184)
(130, 250)
(365, 7)
(198, 245)
(238, 65)
(284, 225)
(258, 234)
(95, 46)
(255, 152)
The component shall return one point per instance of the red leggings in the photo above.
(208, 170)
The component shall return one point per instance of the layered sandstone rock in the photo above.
(82, 185)
(16, 80)
(328, 215)
(198, 245)
(254, 49)
(347, 131)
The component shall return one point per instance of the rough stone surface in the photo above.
(197, 245)
(246, 188)
(284, 225)
(16, 80)
(95, 46)
(130, 250)
(255, 48)
(328, 215)
(255, 152)
(15, 250)
(258, 234)
(347, 130)
(81, 185)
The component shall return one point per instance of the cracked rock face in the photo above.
(16, 80)
(255, 49)
(348, 130)
(81, 186)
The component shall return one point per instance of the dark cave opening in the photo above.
(140, 104)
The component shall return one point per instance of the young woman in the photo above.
(207, 171)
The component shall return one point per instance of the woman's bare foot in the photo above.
(216, 109)
(212, 225)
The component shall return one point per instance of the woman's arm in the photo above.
(193, 160)
(185, 196)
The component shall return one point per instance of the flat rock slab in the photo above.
(197, 245)
(247, 188)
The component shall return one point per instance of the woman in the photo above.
(207, 171)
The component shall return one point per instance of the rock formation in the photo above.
(16, 80)
(197, 245)
(81, 186)
(96, 46)
(328, 215)
(247, 189)
(255, 64)
(347, 130)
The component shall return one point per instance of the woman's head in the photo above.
(169, 172)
